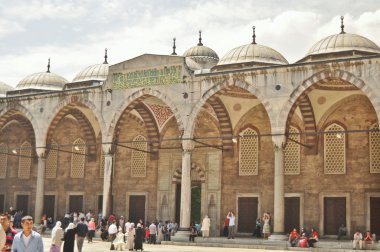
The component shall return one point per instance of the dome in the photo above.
(4, 88)
(253, 53)
(343, 42)
(203, 55)
(342, 45)
(42, 81)
(192, 64)
(97, 72)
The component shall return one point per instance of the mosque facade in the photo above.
(180, 137)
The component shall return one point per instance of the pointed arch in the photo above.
(200, 175)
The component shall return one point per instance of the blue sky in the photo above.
(74, 33)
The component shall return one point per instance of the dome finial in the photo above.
(254, 35)
(174, 47)
(48, 66)
(200, 38)
(105, 57)
(342, 25)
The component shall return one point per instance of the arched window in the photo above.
(78, 158)
(374, 149)
(292, 153)
(138, 163)
(334, 150)
(52, 161)
(25, 161)
(3, 160)
(248, 152)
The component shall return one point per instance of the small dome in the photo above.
(43, 80)
(253, 53)
(4, 88)
(98, 72)
(203, 55)
(343, 42)
(342, 45)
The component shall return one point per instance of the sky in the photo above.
(74, 33)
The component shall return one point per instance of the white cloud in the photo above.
(8, 27)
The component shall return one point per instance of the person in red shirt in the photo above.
(293, 237)
(10, 233)
(368, 240)
(314, 236)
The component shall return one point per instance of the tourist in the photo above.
(139, 237)
(56, 237)
(2, 237)
(293, 238)
(368, 241)
(112, 231)
(358, 240)
(91, 230)
(82, 230)
(152, 233)
(266, 227)
(206, 223)
(231, 225)
(257, 232)
(342, 231)
(69, 238)
(119, 240)
(193, 232)
(314, 236)
(10, 232)
(27, 240)
(131, 237)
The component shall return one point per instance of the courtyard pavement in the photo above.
(100, 246)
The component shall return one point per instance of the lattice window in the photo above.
(25, 161)
(292, 153)
(78, 158)
(138, 168)
(248, 153)
(3, 160)
(335, 150)
(52, 161)
(374, 149)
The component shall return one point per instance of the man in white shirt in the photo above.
(112, 231)
(152, 233)
(358, 240)
(231, 225)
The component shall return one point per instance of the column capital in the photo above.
(188, 145)
(41, 152)
(279, 142)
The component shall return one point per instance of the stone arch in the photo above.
(24, 117)
(322, 77)
(177, 176)
(71, 109)
(226, 85)
(132, 102)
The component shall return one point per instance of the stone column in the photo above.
(279, 200)
(39, 204)
(107, 185)
(185, 212)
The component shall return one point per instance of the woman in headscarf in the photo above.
(139, 237)
(131, 237)
(56, 237)
(69, 238)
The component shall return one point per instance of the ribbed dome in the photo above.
(43, 80)
(4, 88)
(98, 72)
(343, 42)
(253, 53)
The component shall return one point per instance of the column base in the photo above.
(278, 237)
(182, 235)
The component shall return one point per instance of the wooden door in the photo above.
(49, 205)
(2, 202)
(22, 203)
(247, 215)
(196, 204)
(292, 213)
(334, 214)
(178, 203)
(137, 208)
(375, 215)
(76, 203)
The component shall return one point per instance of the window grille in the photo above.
(374, 149)
(248, 152)
(138, 163)
(52, 161)
(3, 160)
(292, 153)
(25, 161)
(78, 158)
(334, 150)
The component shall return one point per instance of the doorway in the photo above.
(196, 204)
(75, 203)
(247, 207)
(374, 214)
(334, 214)
(22, 203)
(292, 213)
(137, 208)
(49, 205)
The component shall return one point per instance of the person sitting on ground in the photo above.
(368, 240)
(342, 231)
(313, 237)
(357, 240)
(293, 237)
(193, 232)
(303, 242)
